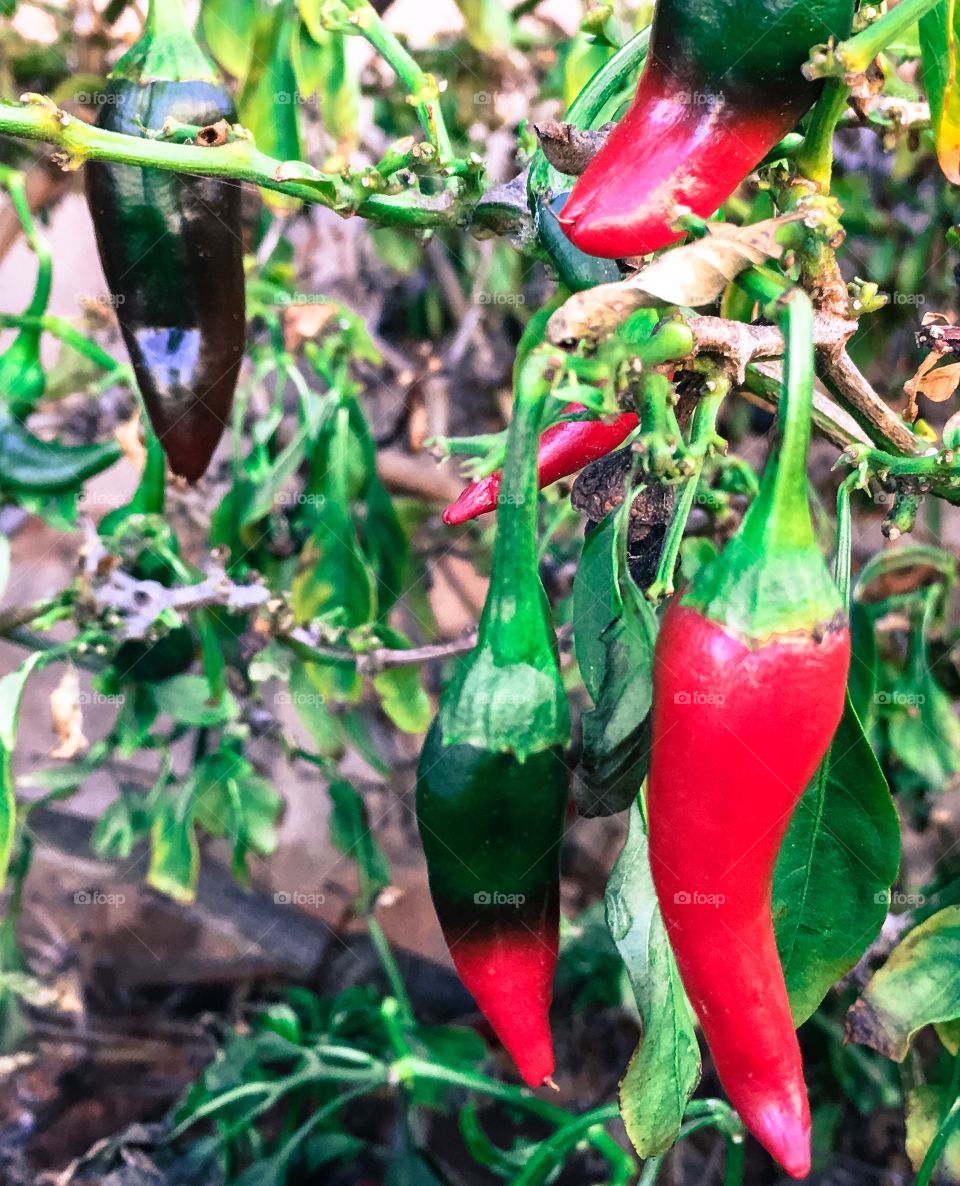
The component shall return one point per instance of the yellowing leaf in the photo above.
(938, 44)
(925, 1109)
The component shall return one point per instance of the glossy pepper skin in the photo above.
(171, 247)
(565, 449)
(722, 86)
(750, 673)
(492, 785)
(491, 827)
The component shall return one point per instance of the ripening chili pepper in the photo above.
(565, 448)
(492, 784)
(722, 85)
(750, 673)
(171, 245)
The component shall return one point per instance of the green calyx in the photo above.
(771, 578)
(167, 51)
(508, 696)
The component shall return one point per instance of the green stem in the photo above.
(702, 434)
(782, 516)
(397, 987)
(59, 328)
(13, 182)
(736, 1154)
(854, 55)
(512, 608)
(814, 160)
(166, 18)
(40, 119)
(421, 86)
(556, 1147)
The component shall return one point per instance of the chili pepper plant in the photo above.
(629, 331)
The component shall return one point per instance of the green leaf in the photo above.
(269, 102)
(404, 701)
(174, 853)
(616, 735)
(489, 28)
(322, 68)
(334, 578)
(228, 28)
(926, 1107)
(596, 602)
(270, 488)
(924, 731)
(839, 858)
(917, 986)
(310, 706)
(923, 726)
(665, 1068)
(186, 698)
(11, 689)
(938, 48)
(119, 827)
(350, 834)
(231, 801)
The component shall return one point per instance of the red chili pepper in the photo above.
(738, 733)
(722, 85)
(564, 449)
(749, 683)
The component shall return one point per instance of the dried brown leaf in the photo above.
(693, 275)
(67, 716)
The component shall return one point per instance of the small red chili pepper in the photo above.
(564, 449)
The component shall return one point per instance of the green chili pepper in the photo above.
(492, 784)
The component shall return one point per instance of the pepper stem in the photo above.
(166, 18)
(780, 515)
(513, 605)
(508, 696)
(771, 578)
